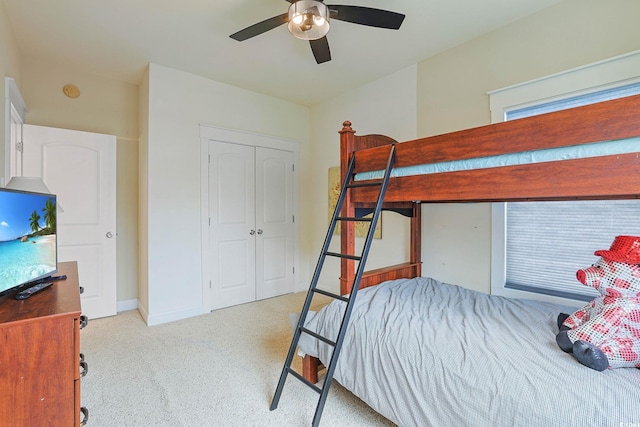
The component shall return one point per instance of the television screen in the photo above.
(28, 243)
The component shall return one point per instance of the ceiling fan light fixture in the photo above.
(308, 19)
(297, 19)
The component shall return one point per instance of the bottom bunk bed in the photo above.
(425, 353)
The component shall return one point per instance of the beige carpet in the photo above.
(219, 369)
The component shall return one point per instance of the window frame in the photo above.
(613, 72)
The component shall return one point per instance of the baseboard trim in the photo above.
(157, 319)
(127, 305)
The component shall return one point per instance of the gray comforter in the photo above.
(425, 353)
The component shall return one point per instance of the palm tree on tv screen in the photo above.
(34, 221)
(50, 215)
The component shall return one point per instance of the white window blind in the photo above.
(547, 242)
(575, 101)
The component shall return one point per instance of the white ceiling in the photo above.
(118, 38)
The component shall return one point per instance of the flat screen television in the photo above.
(28, 240)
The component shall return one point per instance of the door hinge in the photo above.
(293, 167)
(293, 218)
(209, 284)
(294, 270)
(19, 147)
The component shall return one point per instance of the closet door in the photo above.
(274, 222)
(251, 223)
(232, 230)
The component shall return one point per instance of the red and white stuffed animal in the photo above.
(606, 332)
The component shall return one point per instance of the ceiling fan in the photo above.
(309, 20)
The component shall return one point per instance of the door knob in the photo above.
(109, 234)
(259, 231)
(252, 232)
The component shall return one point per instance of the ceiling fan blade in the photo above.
(367, 16)
(320, 49)
(260, 27)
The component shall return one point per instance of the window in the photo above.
(537, 247)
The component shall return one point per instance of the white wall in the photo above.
(452, 95)
(104, 106)
(443, 93)
(386, 106)
(178, 103)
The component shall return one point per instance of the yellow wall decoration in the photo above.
(335, 182)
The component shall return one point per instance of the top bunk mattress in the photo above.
(597, 149)
(426, 353)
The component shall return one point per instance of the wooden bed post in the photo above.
(415, 251)
(347, 228)
(310, 365)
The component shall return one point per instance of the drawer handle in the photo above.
(85, 416)
(84, 368)
(84, 320)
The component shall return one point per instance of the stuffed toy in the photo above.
(605, 333)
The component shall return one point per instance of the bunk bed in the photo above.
(424, 353)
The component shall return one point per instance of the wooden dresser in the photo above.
(40, 360)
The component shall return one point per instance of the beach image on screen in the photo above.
(27, 237)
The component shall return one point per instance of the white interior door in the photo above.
(232, 229)
(251, 223)
(274, 222)
(80, 168)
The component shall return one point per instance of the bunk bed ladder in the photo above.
(348, 184)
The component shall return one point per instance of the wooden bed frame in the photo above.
(595, 178)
